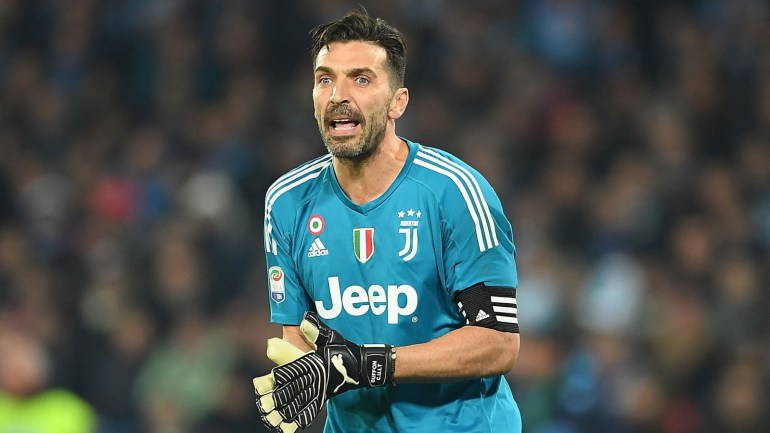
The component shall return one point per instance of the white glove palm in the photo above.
(280, 352)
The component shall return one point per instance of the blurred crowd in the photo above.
(628, 140)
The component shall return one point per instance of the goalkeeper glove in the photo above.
(281, 352)
(300, 388)
(349, 365)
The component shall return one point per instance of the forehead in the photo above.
(351, 55)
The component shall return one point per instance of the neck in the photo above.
(364, 181)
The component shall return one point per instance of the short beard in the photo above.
(371, 140)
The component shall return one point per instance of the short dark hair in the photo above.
(359, 26)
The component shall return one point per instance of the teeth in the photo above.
(345, 126)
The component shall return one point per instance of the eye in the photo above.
(324, 80)
(362, 80)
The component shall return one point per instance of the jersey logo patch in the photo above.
(316, 224)
(363, 244)
(277, 290)
(408, 228)
(317, 249)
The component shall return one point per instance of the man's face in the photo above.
(351, 98)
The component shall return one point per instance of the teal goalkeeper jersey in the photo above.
(387, 272)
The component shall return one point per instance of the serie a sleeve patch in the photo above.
(489, 306)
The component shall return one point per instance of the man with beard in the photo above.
(390, 264)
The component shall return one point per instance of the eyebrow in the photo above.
(350, 72)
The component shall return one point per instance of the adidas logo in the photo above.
(317, 249)
(482, 315)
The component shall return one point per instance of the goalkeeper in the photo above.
(391, 264)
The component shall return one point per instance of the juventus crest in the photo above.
(409, 220)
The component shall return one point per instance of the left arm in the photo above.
(296, 390)
(467, 352)
(486, 345)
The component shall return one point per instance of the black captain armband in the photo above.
(489, 307)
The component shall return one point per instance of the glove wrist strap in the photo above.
(378, 364)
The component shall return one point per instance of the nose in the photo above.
(339, 94)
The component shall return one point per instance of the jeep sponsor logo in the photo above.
(394, 299)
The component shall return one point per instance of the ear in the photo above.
(398, 103)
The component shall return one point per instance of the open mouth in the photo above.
(343, 126)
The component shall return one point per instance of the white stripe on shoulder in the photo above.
(305, 168)
(463, 191)
(287, 182)
(477, 208)
(473, 184)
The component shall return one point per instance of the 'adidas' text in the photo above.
(317, 249)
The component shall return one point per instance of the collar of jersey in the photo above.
(368, 207)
